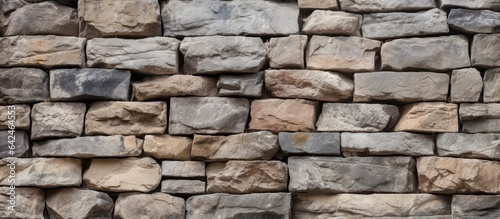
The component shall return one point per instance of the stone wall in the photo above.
(250, 109)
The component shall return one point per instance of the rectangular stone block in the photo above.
(386, 5)
(18, 142)
(277, 115)
(53, 120)
(21, 119)
(387, 143)
(163, 87)
(317, 4)
(491, 92)
(324, 22)
(183, 169)
(466, 85)
(155, 205)
(428, 117)
(30, 203)
(287, 52)
(183, 186)
(480, 117)
(167, 147)
(474, 21)
(476, 4)
(485, 50)
(482, 146)
(309, 143)
(476, 206)
(247, 85)
(23, 85)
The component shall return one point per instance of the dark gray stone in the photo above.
(23, 85)
(387, 143)
(485, 50)
(476, 206)
(20, 144)
(183, 186)
(249, 85)
(309, 143)
(482, 146)
(474, 21)
(475, 4)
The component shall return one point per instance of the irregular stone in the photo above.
(263, 205)
(309, 84)
(454, 175)
(182, 186)
(323, 22)
(136, 18)
(223, 54)
(400, 86)
(387, 143)
(482, 146)
(317, 4)
(261, 145)
(357, 117)
(247, 177)
(89, 84)
(428, 117)
(485, 50)
(163, 87)
(30, 203)
(42, 51)
(155, 55)
(167, 147)
(474, 21)
(208, 115)
(491, 85)
(42, 172)
(78, 203)
(344, 54)
(431, 53)
(287, 52)
(476, 4)
(23, 85)
(476, 206)
(386, 5)
(14, 145)
(466, 85)
(21, 118)
(248, 85)
(126, 118)
(237, 17)
(183, 169)
(277, 115)
(123, 175)
(480, 117)
(51, 119)
(152, 206)
(309, 143)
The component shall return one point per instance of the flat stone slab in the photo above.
(481, 146)
(22, 113)
(183, 169)
(367, 6)
(163, 87)
(309, 143)
(167, 147)
(476, 4)
(474, 21)
(30, 203)
(56, 119)
(480, 117)
(466, 85)
(277, 115)
(18, 143)
(23, 85)
(428, 117)
(476, 206)
(153, 206)
(491, 92)
(183, 186)
(317, 4)
(387, 143)
(78, 203)
(324, 22)
(247, 85)
(485, 50)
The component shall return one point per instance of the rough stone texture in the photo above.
(126, 118)
(428, 117)
(476, 4)
(480, 117)
(167, 147)
(136, 18)
(432, 53)
(400, 86)
(78, 203)
(466, 85)
(248, 85)
(20, 112)
(89, 84)
(482, 146)
(151, 206)
(454, 175)
(183, 169)
(317, 4)
(222, 54)
(42, 172)
(237, 17)
(30, 203)
(309, 84)
(357, 117)
(208, 115)
(474, 21)
(277, 115)
(19, 140)
(261, 145)
(50, 119)
(123, 175)
(386, 5)
(402, 24)
(476, 206)
(345, 54)
(163, 87)
(247, 177)
(485, 50)
(491, 85)
(42, 51)
(155, 55)
(365, 174)
(23, 85)
(182, 186)
(287, 52)
(309, 143)
(389, 143)
(265, 205)
(324, 22)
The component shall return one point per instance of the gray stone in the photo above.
(432, 53)
(476, 206)
(388, 143)
(208, 115)
(386, 5)
(237, 17)
(19, 114)
(466, 85)
(167, 147)
(476, 4)
(23, 85)
(428, 117)
(287, 52)
(163, 87)
(223, 54)
(310, 143)
(154, 56)
(183, 169)
(474, 21)
(89, 84)
(183, 186)
(365, 174)
(480, 117)
(317, 4)
(485, 50)
(491, 91)
(264, 205)
(14, 145)
(357, 117)
(78, 203)
(151, 206)
(51, 119)
(322, 22)
(482, 146)
(30, 203)
(248, 85)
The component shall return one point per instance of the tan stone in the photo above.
(332, 23)
(429, 117)
(150, 206)
(318, 4)
(283, 115)
(167, 147)
(30, 203)
(162, 87)
(22, 117)
(287, 52)
(78, 203)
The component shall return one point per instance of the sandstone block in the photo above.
(30, 203)
(388, 143)
(476, 206)
(474, 21)
(485, 50)
(491, 92)
(287, 52)
(183, 169)
(163, 87)
(23, 85)
(386, 5)
(151, 206)
(167, 147)
(317, 4)
(482, 146)
(183, 186)
(480, 117)
(323, 22)
(428, 117)
(20, 112)
(277, 115)
(247, 85)
(78, 203)
(310, 143)
(477, 4)
(466, 85)
(51, 119)
(18, 142)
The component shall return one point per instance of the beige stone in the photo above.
(163, 87)
(168, 147)
(323, 22)
(429, 117)
(22, 117)
(318, 4)
(287, 52)
(30, 203)
(283, 115)
(150, 206)
(78, 203)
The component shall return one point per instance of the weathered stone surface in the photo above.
(248, 85)
(20, 112)
(247, 177)
(42, 172)
(485, 50)
(277, 115)
(428, 117)
(45, 18)
(23, 85)
(42, 51)
(223, 54)
(386, 5)
(261, 145)
(476, 4)
(454, 175)
(163, 87)
(317, 4)
(208, 115)
(18, 142)
(388, 143)
(78, 203)
(309, 84)
(345, 54)
(183, 169)
(432, 53)
(310, 143)
(152, 206)
(474, 21)
(237, 17)
(30, 203)
(323, 22)
(51, 119)
(491, 85)
(287, 52)
(400, 86)
(480, 117)
(182, 186)
(168, 147)
(265, 205)
(365, 174)
(126, 118)
(357, 117)
(136, 18)
(482, 146)
(123, 175)
(466, 85)
(155, 56)
(476, 206)
(89, 84)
